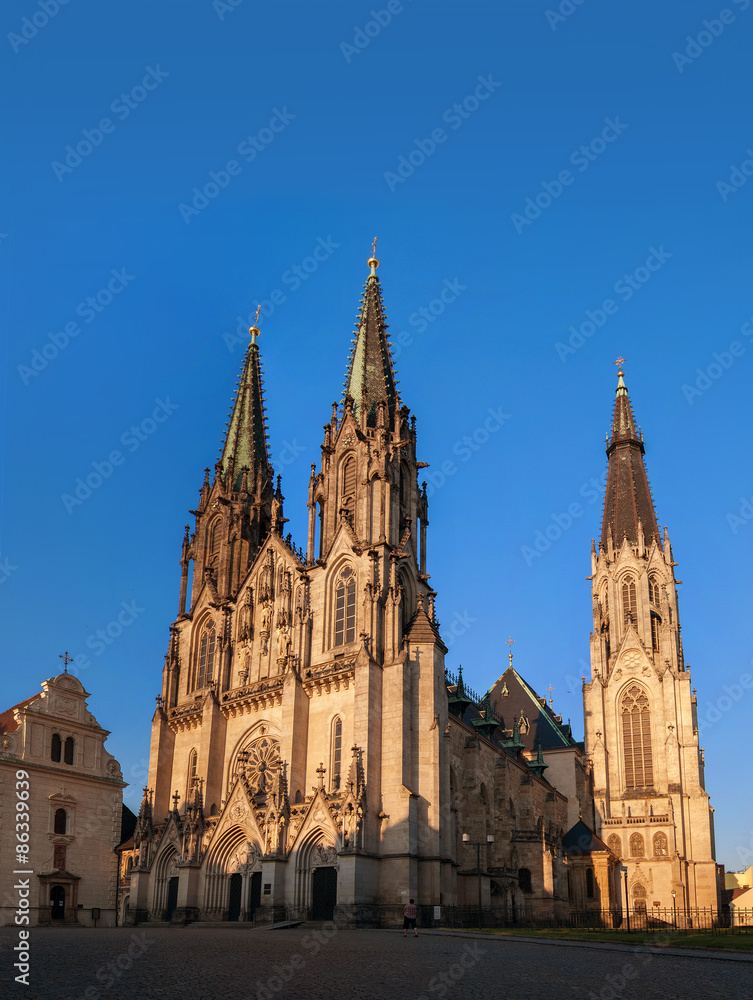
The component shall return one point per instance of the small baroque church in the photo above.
(312, 758)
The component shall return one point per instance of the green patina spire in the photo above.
(246, 438)
(538, 766)
(370, 378)
(486, 724)
(459, 701)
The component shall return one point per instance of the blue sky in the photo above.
(165, 170)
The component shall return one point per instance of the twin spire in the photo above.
(246, 438)
(628, 504)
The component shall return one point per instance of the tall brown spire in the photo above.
(371, 378)
(628, 504)
(246, 438)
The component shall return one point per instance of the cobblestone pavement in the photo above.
(323, 962)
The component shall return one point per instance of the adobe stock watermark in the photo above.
(224, 7)
(625, 287)
(88, 310)
(455, 116)
(363, 37)
(131, 439)
(249, 148)
(738, 177)
(111, 972)
(558, 524)
(735, 521)
(466, 447)
(733, 693)
(441, 984)
(697, 44)
(424, 316)
(565, 10)
(101, 638)
(6, 568)
(721, 362)
(582, 158)
(293, 276)
(31, 26)
(94, 137)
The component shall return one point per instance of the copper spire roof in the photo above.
(628, 499)
(370, 378)
(246, 438)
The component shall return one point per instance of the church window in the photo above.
(636, 846)
(636, 739)
(206, 656)
(590, 883)
(56, 748)
(68, 750)
(629, 601)
(348, 487)
(615, 845)
(661, 849)
(193, 765)
(639, 898)
(336, 753)
(524, 880)
(213, 545)
(655, 632)
(345, 608)
(653, 591)
(61, 821)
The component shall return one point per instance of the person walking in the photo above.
(410, 912)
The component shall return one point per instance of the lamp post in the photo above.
(478, 844)
(674, 906)
(624, 871)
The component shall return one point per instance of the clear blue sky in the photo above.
(612, 126)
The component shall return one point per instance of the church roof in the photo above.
(246, 438)
(513, 698)
(580, 839)
(8, 722)
(628, 499)
(370, 378)
(422, 629)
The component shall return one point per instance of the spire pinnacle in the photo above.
(370, 379)
(246, 438)
(628, 504)
(372, 261)
(254, 331)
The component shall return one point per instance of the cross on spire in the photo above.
(550, 689)
(510, 641)
(620, 362)
(321, 771)
(254, 330)
(176, 796)
(66, 659)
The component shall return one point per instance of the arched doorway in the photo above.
(236, 894)
(323, 893)
(57, 902)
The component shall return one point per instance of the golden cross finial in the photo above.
(372, 261)
(510, 641)
(550, 689)
(66, 659)
(254, 330)
(620, 362)
(373, 247)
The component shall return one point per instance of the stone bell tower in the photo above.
(641, 728)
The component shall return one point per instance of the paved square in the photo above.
(323, 962)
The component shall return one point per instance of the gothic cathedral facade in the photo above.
(641, 727)
(311, 756)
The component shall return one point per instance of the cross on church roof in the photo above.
(66, 659)
(510, 641)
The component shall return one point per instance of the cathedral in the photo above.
(311, 756)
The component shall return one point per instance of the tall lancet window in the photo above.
(336, 753)
(193, 768)
(206, 655)
(213, 542)
(348, 488)
(629, 601)
(655, 632)
(345, 608)
(636, 739)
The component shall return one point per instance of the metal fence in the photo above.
(689, 921)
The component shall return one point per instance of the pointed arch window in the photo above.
(615, 845)
(206, 655)
(193, 767)
(653, 591)
(336, 752)
(213, 541)
(348, 488)
(590, 883)
(345, 608)
(629, 600)
(56, 750)
(655, 632)
(637, 847)
(69, 750)
(661, 849)
(636, 739)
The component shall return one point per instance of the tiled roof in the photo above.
(8, 723)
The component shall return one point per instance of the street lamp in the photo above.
(623, 869)
(478, 844)
(674, 906)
